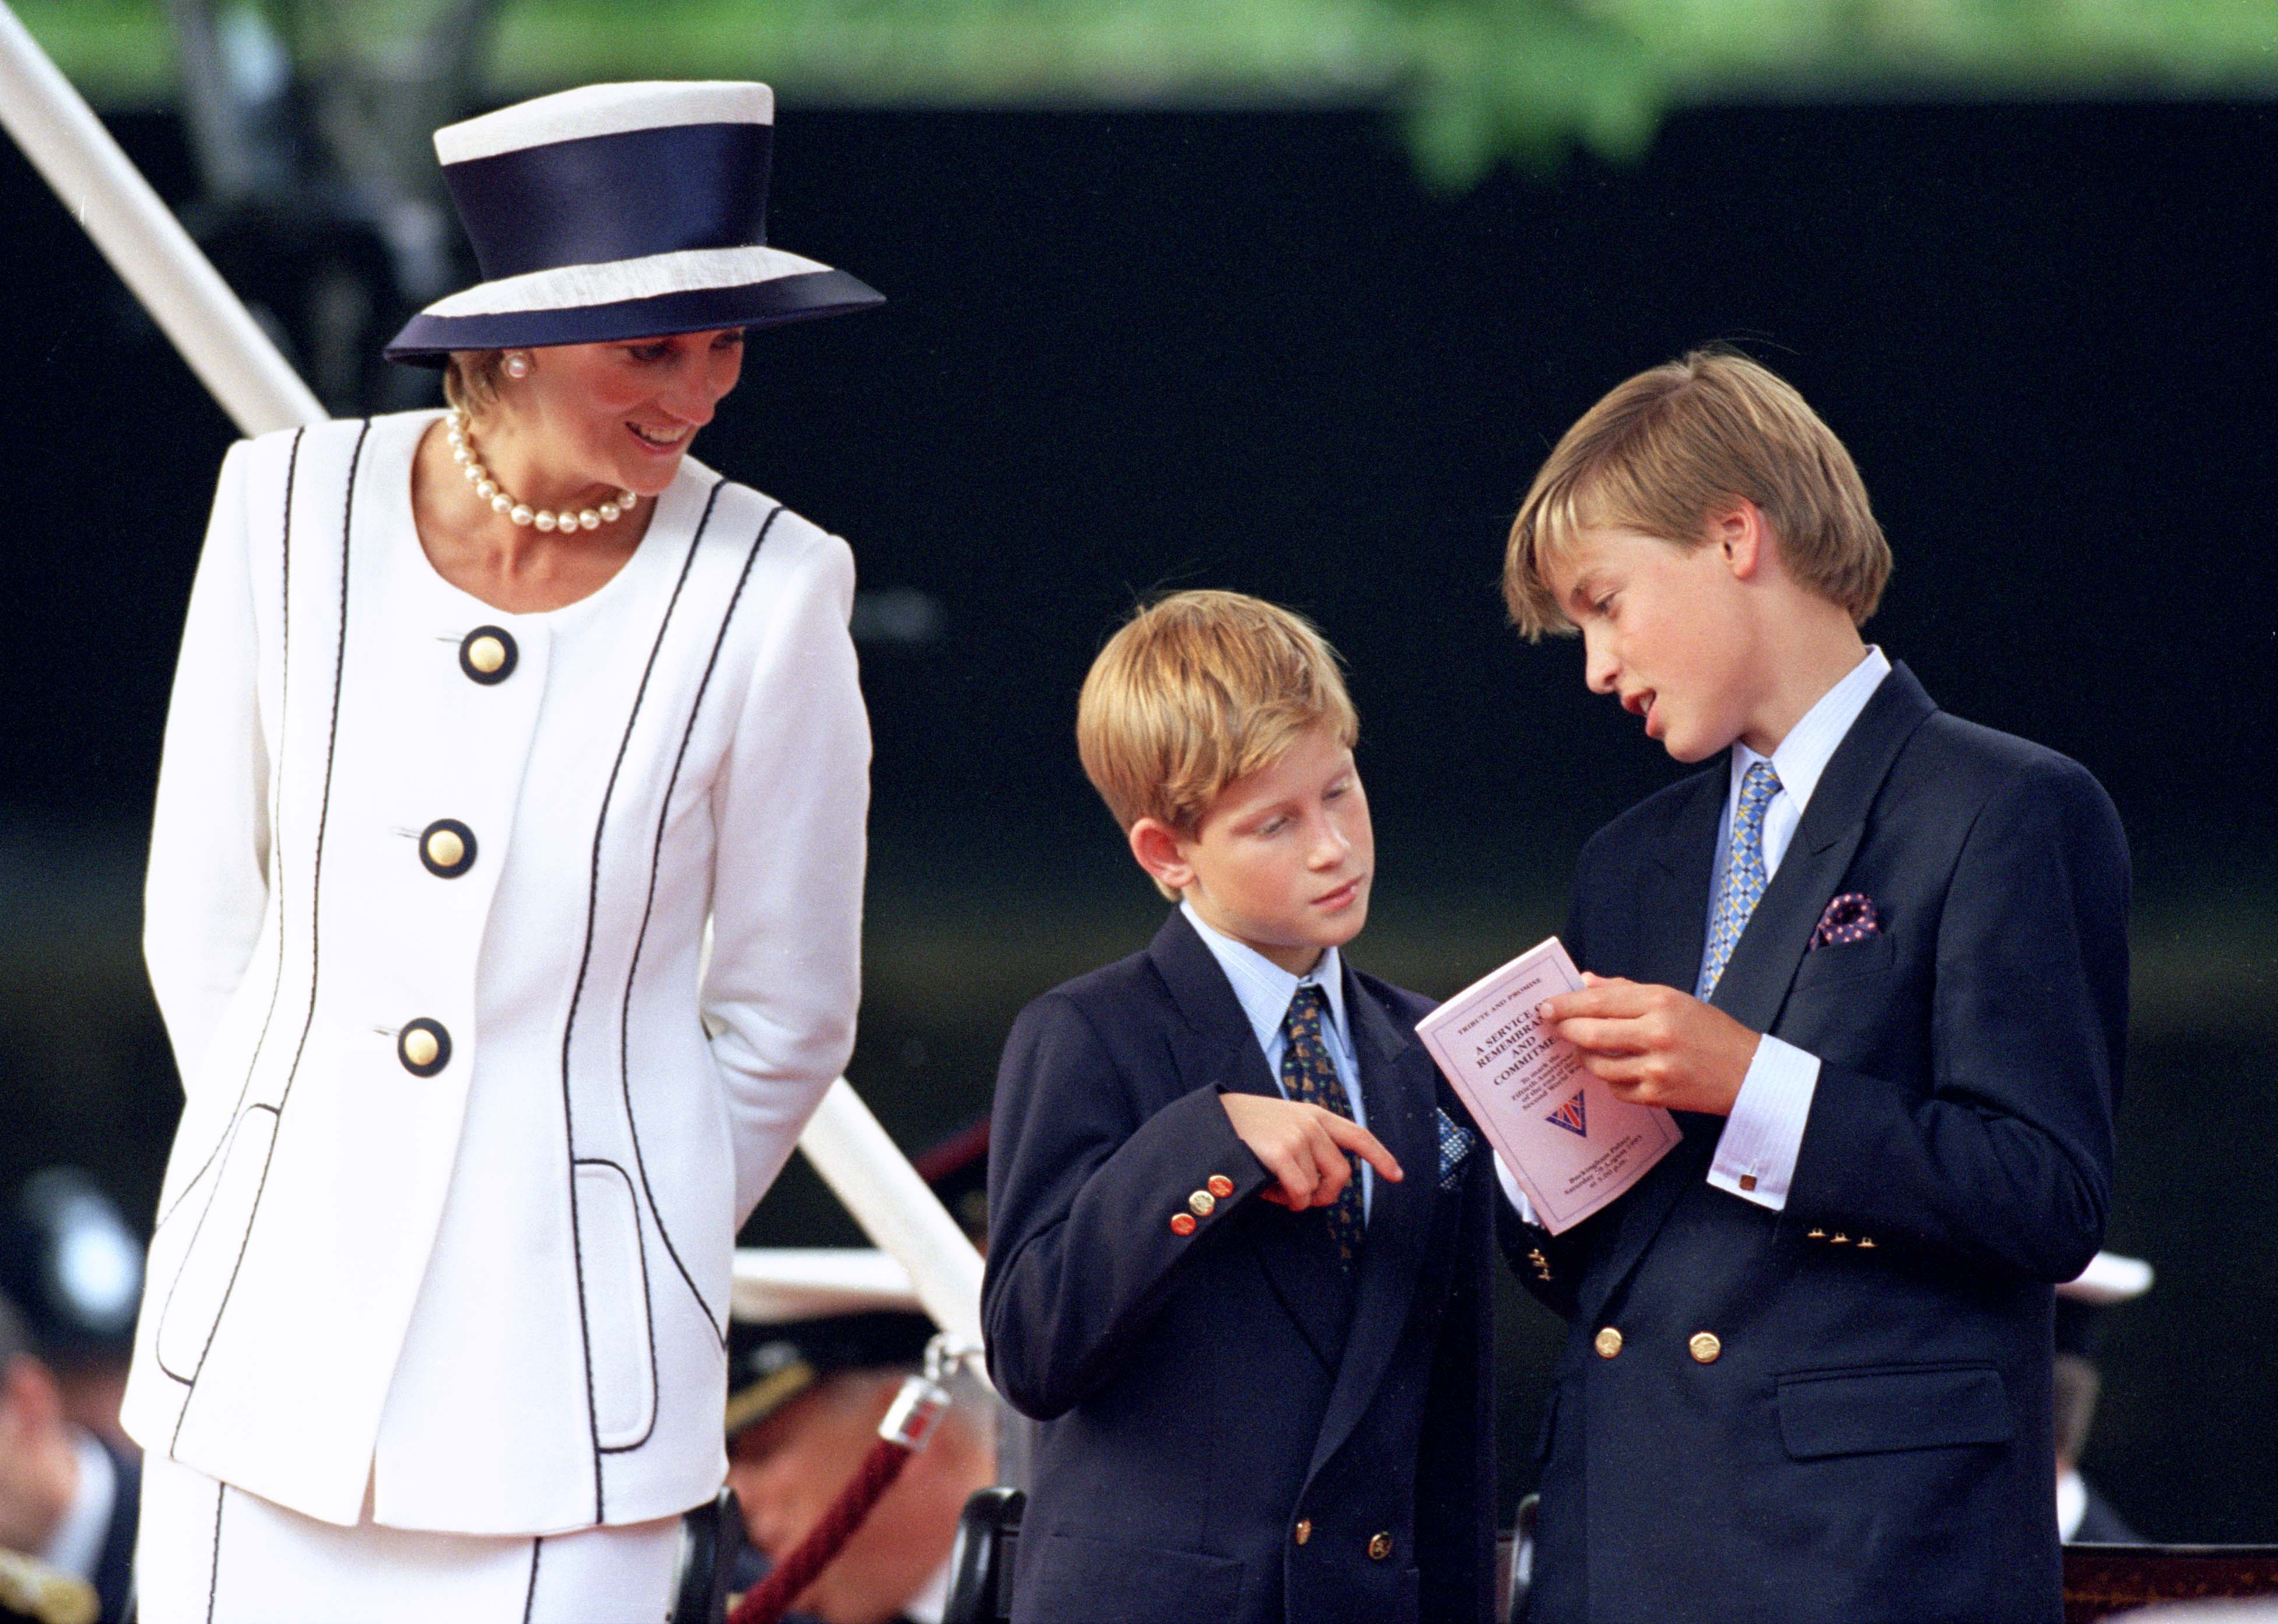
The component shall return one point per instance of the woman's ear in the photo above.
(1157, 848)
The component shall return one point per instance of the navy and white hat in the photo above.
(619, 211)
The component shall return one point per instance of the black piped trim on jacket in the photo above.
(316, 934)
(648, 1308)
(577, 994)
(276, 830)
(640, 937)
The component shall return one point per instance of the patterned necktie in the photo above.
(1308, 1075)
(1744, 873)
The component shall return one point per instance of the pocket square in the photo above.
(1850, 917)
(1456, 1142)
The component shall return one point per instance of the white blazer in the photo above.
(451, 1208)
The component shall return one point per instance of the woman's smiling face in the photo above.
(622, 415)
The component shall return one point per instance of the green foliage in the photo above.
(1474, 80)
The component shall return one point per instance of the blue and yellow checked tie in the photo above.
(1310, 1076)
(1744, 873)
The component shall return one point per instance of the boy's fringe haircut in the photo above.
(1662, 452)
(1195, 690)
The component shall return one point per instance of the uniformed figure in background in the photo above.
(804, 1397)
(71, 1275)
(66, 1499)
(2084, 1516)
(803, 1404)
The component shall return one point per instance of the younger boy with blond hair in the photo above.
(1875, 959)
(1238, 1245)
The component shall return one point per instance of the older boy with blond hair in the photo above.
(1238, 1245)
(1875, 959)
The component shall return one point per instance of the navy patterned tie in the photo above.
(1308, 1075)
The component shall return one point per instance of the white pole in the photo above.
(144, 242)
(897, 1209)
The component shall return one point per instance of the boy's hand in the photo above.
(1655, 1045)
(1304, 1147)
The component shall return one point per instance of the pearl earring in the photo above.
(517, 364)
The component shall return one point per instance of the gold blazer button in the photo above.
(1204, 1203)
(1183, 1223)
(487, 654)
(1705, 1347)
(1303, 1531)
(446, 846)
(1379, 1546)
(424, 1048)
(1220, 1185)
(1608, 1342)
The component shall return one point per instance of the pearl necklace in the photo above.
(521, 512)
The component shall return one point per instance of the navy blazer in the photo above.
(1870, 1439)
(1235, 1430)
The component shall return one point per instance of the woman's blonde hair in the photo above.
(1195, 690)
(470, 379)
(1663, 451)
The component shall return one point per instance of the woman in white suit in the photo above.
(479, 716)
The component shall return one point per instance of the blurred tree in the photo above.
(1474, 80)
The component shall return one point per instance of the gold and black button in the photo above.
(448, 847)
(487, 654)
(424, 1048)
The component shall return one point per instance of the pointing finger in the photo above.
(1352, 1137)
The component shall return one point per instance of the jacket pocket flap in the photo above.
(1903, 1407)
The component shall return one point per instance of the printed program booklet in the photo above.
(1571, 1144)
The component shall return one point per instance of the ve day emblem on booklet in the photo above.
(1571, 1142)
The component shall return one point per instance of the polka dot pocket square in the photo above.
(1850, 917)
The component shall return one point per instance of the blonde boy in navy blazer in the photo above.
(1875, 959)
(1238, 1254)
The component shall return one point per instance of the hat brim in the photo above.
(428, 339)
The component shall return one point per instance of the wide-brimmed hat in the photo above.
(620, 211)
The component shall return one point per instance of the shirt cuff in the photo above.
(1510, 1189)
(1755, 1155)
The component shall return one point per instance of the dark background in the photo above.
(1126, 353)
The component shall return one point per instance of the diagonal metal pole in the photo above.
(143, 240)
(258, 388)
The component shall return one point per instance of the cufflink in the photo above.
(1747, 1181)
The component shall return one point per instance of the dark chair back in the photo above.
(980, 1560)
(711, 1537)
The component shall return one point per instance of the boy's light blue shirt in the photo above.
(1264, 989)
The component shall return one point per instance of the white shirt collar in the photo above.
(77, 1547)
(1803, 756)
(1263, 987)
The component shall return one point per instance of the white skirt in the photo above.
(210, 1554)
